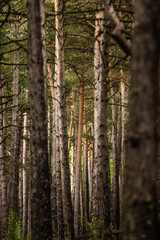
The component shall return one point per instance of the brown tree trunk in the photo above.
(141, 163)
(14, 181)
(78, 172)
(3, 187)
(115, 185)
(50, 73)
(85, 167)
(40, 177)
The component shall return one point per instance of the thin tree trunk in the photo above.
(91, 167)
(78, 171)
(85, 167)
(71, 145)
(55, 228)
(24, 179)
(3, 187)
(124, 102)
(49, 136)
(13, 181)
(115, 185)
(50, 73)
(40, 204)
(60, 227)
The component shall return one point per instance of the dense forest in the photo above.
(79, 119)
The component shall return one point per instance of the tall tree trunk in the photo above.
(59, 205)
(3, 188)
(49, 136)
(71, 145)
(50, 73)
(55, 150)
(85, 167)
(40, 178)
(115, 185)
(101, 176)
(13, 181)
(141, 163)
(124, 112)
(24, 179)
(78, 172)
(61, 111)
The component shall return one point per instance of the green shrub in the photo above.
(14, 228)
(96, 230)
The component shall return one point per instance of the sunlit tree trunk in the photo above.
(124, 112)
(101, 176)
(58, 178)
(141, 162)
(24, 178)
(41, 224)
(71, 147)
(14, 181)
(61, 114)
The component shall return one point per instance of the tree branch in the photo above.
(117, 26)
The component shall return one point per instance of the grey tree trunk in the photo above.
(24, 179)
(115, 185)
(41, 224)
(3, 187)
(61, 111)
(101, 176)
(14, 172)
(78, 171)
(141, 162)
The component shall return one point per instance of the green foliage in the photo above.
(14, 228)
(97, 230)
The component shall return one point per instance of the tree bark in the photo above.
(78, 172)
(40, 177)
(24, 179)
(85, 167)
(101, 176)
(61, 111)
(141, 163)
(14, 172)
(115, 185)
(3, 187)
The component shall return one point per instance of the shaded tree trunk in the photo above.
(141, 163)
(85, 167)
(24, 179)
(3, 187)
(115, 185)
(78, 172)
(101, 176)
(40, 178)
(14, 172)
